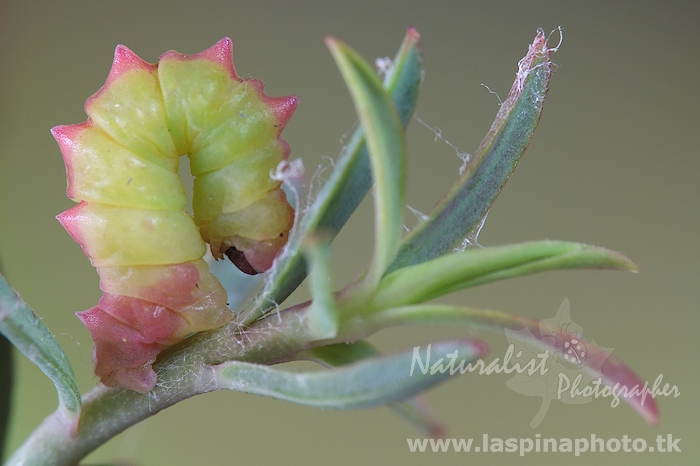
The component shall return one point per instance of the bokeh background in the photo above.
(614, 162)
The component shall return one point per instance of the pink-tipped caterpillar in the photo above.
(131, 222)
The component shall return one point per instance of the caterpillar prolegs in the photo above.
(131, 222)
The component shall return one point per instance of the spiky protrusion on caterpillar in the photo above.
(131, 221)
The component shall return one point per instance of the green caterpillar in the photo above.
(131, 222)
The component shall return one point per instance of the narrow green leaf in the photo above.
(493, 162)
(365, 384)
(416, 410)
(609, 368)
(6, 377)
(324, 319)
(347, 185)
(387, 154)
(28, 334)
(452, 272)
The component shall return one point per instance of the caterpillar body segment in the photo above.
(131, 221)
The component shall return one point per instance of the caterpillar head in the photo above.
(253, 236)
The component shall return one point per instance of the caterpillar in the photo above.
(131, 220)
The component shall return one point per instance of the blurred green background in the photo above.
(614, 162)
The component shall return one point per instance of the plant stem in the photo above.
(183, 372)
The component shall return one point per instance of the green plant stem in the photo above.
(183, 372)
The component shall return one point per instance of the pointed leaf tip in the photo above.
(385, 139)
(490, 167)
(620, 261)
(459, 270)
(542, 334)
